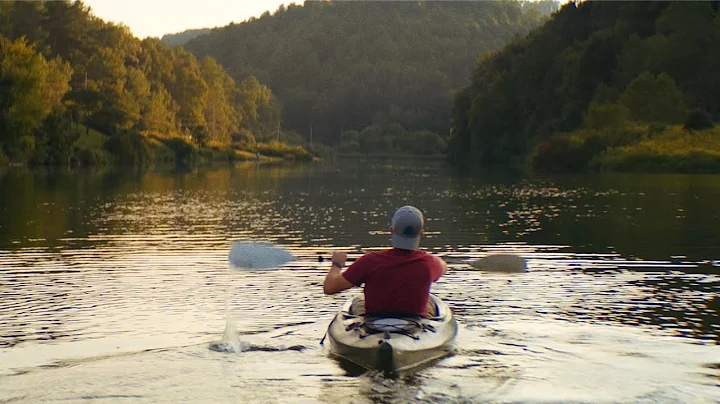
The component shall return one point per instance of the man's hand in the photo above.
(334, 281)
(339, 257)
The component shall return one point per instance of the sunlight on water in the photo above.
(131, 292)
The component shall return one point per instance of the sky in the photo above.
(158, 17)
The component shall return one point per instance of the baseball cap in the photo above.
(407, 224)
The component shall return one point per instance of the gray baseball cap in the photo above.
(407, 224)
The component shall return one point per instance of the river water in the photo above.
(116, 286)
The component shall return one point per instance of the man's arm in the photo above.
(444, 265)
(442, 270)
(334, 281)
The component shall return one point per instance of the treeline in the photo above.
(181, 38)
(602, 85)
(344, 65)
(66, 75)
(392, 139)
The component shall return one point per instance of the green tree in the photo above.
(55, 140)
(117, 84)
(220, 115)
(427, 143)
(602, 116)
(253, 96)
(159, 112)
(652, 98)
(661, 55)
(32, 88)
(190, 92)
(326, 67)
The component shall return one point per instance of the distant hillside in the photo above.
(64, 71)
(181, 38)
(336, 66)
(594, 64)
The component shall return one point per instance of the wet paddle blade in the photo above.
(258, 255)
(501, 263)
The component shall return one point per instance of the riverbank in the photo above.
(146, 149)
(631, 148)
(393, 155)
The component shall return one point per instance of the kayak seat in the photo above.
(391, 325)
(357, 309)
(432, 309)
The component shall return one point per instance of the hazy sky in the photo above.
(158, 17)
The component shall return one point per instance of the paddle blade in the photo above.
(253, 255)
(501, 263)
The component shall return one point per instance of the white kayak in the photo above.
(392, 343)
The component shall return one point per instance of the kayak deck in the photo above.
(392, 342)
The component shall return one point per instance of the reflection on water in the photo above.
(115, 284)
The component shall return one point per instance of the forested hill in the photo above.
(594, 64)
(62, 69)
(346, 65)
(181, 38)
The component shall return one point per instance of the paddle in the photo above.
(263, 255)
(258, 255)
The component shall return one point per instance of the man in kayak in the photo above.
(396, 280)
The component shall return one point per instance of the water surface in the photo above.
(115, 285)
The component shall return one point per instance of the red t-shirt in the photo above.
(396, 280)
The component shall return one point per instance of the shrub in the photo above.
(282, 150)
(321, 151)
(87, 157)
(201, 135)
(350, 136)
(130, 148)
(185, 153)
(243, 137)
(350, 146)
(426, 143)
(601, 116)
(655, 129)
(559, 153)
(699, 120)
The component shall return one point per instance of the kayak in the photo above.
(392, 343)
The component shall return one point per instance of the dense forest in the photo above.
(602, 85)
(181, 38)
(75, 89)
(372, 69)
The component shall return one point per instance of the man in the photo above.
(396, 280)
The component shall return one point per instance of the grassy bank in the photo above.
(632, 148)
(673, 150)
(93, 148)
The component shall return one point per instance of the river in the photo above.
(115, 285)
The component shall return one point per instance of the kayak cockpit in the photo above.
(391, 341)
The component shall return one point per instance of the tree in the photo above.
(602, 116)
(253, 96)
(31, 88)
(325, 66)
(661, 55)
(190, 91)
(159, 112)
(654, 99)
(222, 119)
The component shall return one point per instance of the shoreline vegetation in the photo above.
(77, 91)
(591, 87)
(601, 86)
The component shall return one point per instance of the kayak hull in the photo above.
(392, 343)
